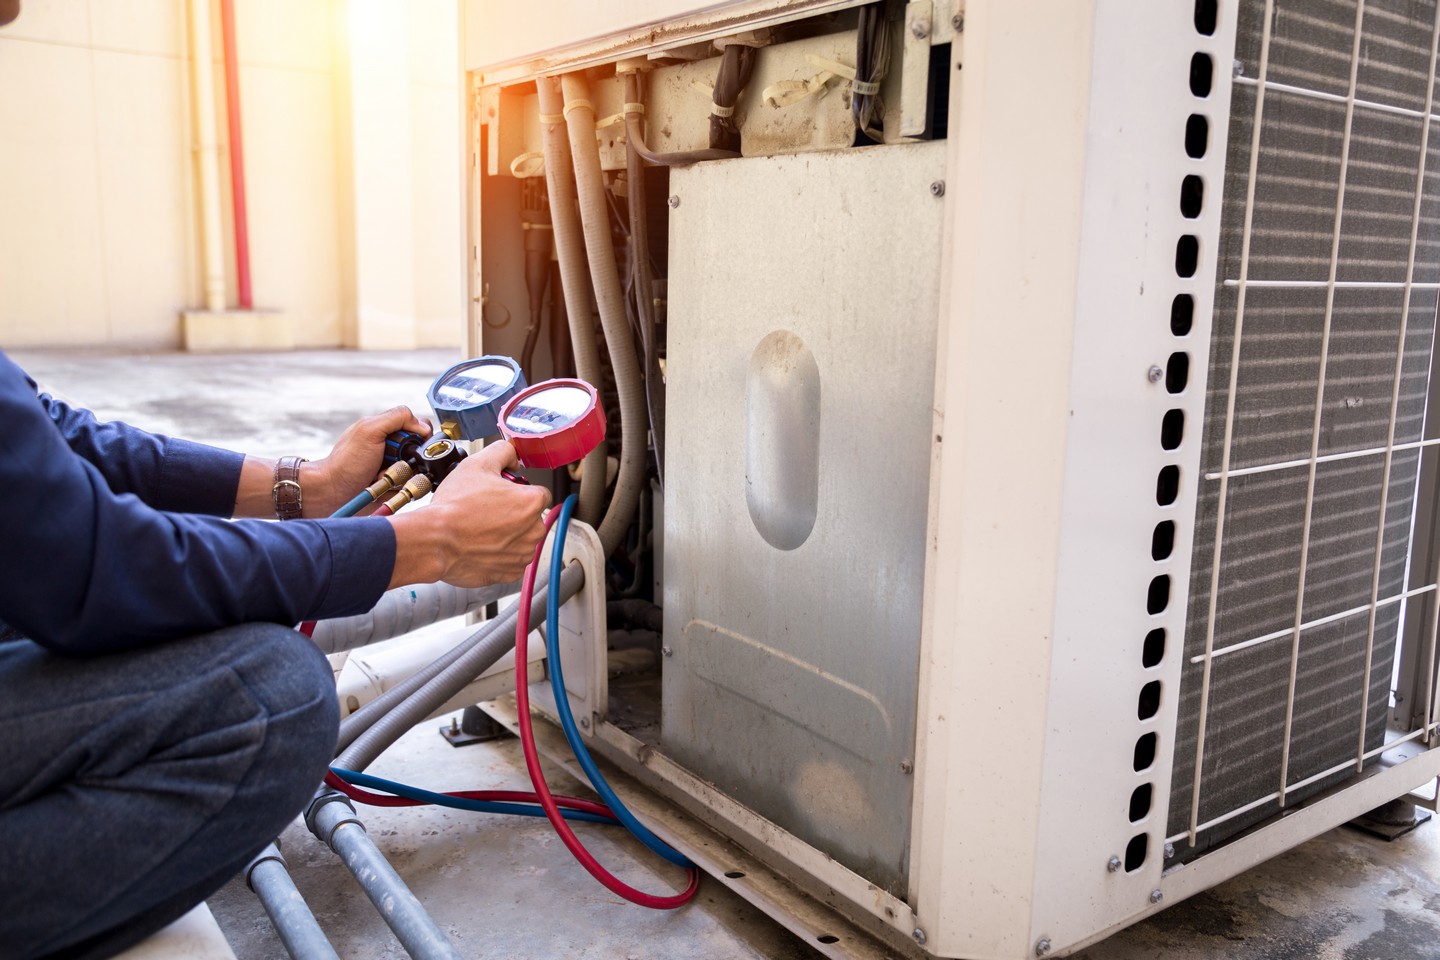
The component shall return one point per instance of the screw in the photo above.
(1114, 865)
(1169, 851)
(667, 651)
(1156, 374)
(906, 767)
(1238, 68)
(1156, 896)
(454, 724)
(920, 29)
(674, 202)
(958, 22)
(919, 936)
(585, 723)
(1042, 946)
(937, 188)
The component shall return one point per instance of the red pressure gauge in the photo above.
(553, 423)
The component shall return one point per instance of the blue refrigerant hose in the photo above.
(360, 502)
(562, 702)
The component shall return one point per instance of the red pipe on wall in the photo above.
(237, 155)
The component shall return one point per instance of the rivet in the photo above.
(674, 201)
(1042, 946)
(906, 766)
(1156, 374)
(937, 188)
(919, 936)
(1113, 865)
(1156, 896)
(667, 651)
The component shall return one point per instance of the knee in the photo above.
(293, 683)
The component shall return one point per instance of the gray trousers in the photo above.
(134, 785)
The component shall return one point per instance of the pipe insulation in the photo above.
(368, 732)
(570, 254)
(332, 819)
(403, 610)
(579, 115)
(288, 911)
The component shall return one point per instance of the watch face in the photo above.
(548, 410)
(474, 385)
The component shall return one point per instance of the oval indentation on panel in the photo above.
(782, 439)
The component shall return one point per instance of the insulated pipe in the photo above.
(302, 936)
(599, 247)
(332, 819)
(417, 698)
(403, 610)
(645, 302)
(237, 156)
(570, 253)
(207, 154)
(635, 135)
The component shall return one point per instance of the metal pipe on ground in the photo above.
(332, 819)
(268, 878)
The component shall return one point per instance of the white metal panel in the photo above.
(1136, 160)
(512, 41)
(1018, 130)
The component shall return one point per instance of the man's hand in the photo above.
(354, 463)
(478, 529)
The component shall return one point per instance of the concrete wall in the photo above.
(99, 234)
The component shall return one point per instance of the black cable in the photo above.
(872, 62)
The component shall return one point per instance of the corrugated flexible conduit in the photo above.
(370, 736)
(570, 254)
(402, 610)
(579, 115)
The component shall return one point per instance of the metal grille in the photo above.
(1329, 269)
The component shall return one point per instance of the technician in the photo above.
(160, 718)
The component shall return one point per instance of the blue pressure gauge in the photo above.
(467, 398)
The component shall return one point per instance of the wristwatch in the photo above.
(286, 492)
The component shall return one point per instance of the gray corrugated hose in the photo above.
(570, 253)
(595, 217)
(403, 610)
(302, 936)
(421, 698)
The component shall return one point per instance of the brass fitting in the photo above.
(414, 488)
(394, 475)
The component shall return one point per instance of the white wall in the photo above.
(98, 229)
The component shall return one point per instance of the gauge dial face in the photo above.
(474, 385)
(547, 410)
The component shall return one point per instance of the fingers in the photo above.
(498, 456)
(381, 425)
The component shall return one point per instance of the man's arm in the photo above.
(328, 484)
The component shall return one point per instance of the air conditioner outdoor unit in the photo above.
(1049, 488)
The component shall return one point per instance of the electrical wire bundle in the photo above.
(872, 62)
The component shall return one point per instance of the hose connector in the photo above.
(394, 475)
(414, 488)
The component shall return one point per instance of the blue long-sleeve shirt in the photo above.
(113, 538)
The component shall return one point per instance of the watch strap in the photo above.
(286, 493)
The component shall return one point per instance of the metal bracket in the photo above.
(582, 634)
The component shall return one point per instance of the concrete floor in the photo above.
(507, 888)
